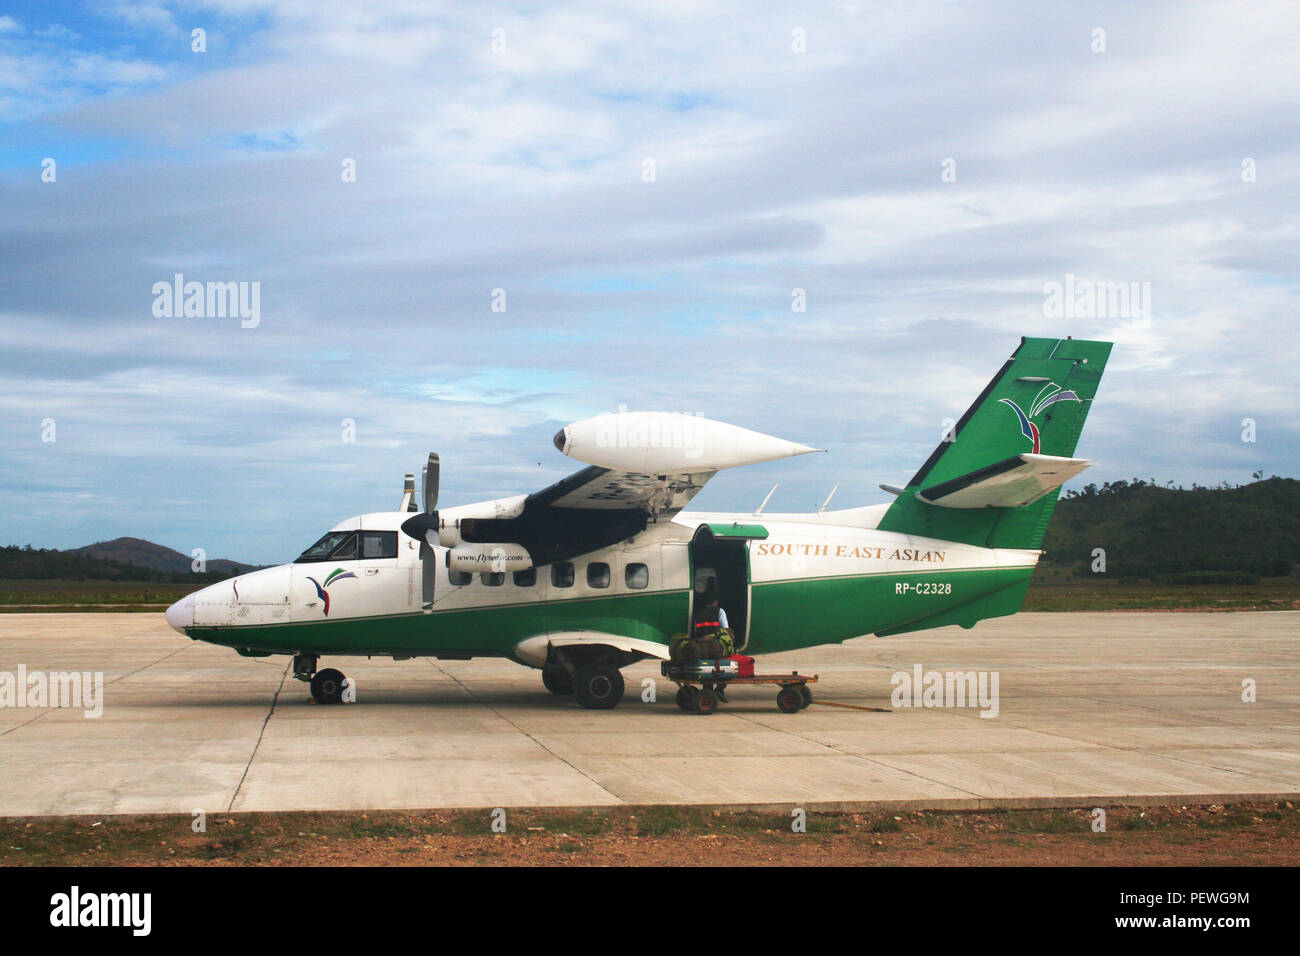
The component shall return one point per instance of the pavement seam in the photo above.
(474, 697)
(150, 664)
(261, 733)
(49, 710)
(1145, 753)
(862, 757)
(43, 713)
(1115, 747)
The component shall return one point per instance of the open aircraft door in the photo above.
(719, 557)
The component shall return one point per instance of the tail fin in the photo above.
(994, 481)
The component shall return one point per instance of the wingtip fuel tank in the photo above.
(663, 442)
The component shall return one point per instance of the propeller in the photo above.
(423, 527)
(418, 526)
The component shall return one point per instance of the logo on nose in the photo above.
(338, 574)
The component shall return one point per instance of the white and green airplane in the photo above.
(600, 570)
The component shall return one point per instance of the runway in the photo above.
(1093, 709)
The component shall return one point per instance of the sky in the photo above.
(644, 191)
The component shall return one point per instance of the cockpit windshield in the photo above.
(334, 546)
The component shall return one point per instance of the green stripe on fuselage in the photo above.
(490, 631)
(786, 615)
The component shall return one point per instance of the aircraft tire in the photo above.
(598, 686)
(557, 680)
(686, 699)
(706, 702)
(327, 686)
(789, 700)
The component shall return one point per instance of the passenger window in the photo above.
(379, 544)
(637, 576)
(493, 579)
(526, 579)
(460, 578)
(562, 574)
(598, 575)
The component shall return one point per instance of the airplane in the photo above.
(601, 569)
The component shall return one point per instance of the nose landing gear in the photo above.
(326, 686)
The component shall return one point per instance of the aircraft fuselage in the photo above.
(812, 580)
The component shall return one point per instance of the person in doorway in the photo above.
(710, 634)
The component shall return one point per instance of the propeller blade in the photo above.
(431, 484)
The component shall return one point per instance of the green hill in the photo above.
(1149, 531)
(146, 554)
(49, 564)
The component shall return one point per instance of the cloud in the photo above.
(521, 165)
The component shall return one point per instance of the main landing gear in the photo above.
(595, 684)
(557, 680)
(326, 686)
(598, 686)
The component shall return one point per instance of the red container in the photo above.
(746, 665)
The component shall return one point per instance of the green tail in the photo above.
(1036, 403)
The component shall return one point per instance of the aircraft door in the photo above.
(720, 561)
(390, 576)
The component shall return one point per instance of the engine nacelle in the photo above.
(492, 558)
(449, 519)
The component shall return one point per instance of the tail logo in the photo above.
(1049, 394)
(338, 574)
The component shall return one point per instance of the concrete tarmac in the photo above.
(1093, 709)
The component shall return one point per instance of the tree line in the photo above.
(50, 564)
(1152, 530)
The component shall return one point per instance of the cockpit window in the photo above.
(379, 544)
(334, 546)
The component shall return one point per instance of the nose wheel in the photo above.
(327, 686)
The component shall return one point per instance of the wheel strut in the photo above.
(304, 666)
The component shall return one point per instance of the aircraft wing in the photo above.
(612, 489)
(641, 467)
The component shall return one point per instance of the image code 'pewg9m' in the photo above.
(604, 568)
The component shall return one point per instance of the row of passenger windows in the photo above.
(563, 575)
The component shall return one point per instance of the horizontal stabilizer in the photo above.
(1012, 483)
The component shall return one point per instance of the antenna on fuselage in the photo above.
(759, 511)
(822, 509)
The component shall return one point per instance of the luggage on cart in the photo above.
(720, 667)
(744, 665)
(684, 648)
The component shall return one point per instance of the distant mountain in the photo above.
(48, 564)
(146, 554)
(1147, 530)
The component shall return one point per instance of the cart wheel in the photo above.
(686, 698)
(789, 700)
(805, 692)
(706, 702)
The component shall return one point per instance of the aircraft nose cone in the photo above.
(181, 614)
